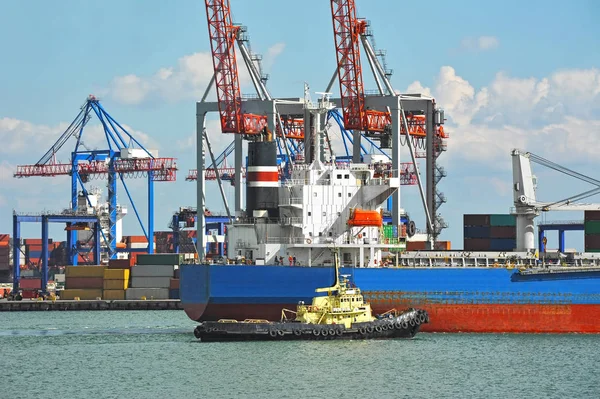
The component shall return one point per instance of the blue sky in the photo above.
(509, 74)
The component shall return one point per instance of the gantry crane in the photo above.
(124, 157)
(377, 120)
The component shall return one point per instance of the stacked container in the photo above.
(591, 231)
(489, 232)
(151, 276)
(116, 281)
(83, 282)
(4, 255)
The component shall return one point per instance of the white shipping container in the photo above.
(152, 271)
(149, 293)
(150, 282)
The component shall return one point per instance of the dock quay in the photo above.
(74, 305)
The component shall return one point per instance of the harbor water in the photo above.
(153, 354)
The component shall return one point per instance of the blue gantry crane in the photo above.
(124, 156)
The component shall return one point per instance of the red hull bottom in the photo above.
(467, 318)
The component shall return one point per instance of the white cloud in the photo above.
(481, 43)
(556, 116)
(272, 53)
(23, 137)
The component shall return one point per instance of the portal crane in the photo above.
(349, 33)
(124, 157)
(527, 207)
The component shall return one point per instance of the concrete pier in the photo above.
(28, 305)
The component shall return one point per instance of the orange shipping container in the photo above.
(4, 238)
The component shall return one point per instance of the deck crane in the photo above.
(124, 157)
(349, 33)
(527, 207)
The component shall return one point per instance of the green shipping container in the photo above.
(592, 227)
(503, 220)
(159, 259)
(388, 231)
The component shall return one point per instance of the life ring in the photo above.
(359, 235)
(308, 241)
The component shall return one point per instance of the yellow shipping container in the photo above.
(114, 295)
(116, 274)
(116, 284)
(88, 294)
(84, 271)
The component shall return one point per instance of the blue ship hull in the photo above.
(456, 298)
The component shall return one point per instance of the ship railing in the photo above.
(294, 182)
(290, 220)
(285, 240)
(292, 201)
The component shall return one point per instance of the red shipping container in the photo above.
(415, 245)
(442, 245)
(477, 244)
(503, 232)
(29, 294)
(84, 283)
(174, 284)
(119, 264)
(592, 241)
(4, 250)
(33, 248)
(30, 283)
(591, 215)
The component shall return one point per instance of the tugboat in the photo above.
(341, 314)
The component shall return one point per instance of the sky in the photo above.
(508, 75)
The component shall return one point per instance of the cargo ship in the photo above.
(280, 253)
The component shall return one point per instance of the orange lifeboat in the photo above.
(362, 217)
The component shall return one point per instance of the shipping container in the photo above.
(159, 259)
(74, 283)
(85, 271)
(176, 273)
(443, 246)
(148, 293)
(591, 241)
(150, 282)
(5, 238)
(119, 264)
(503, 232)
(476, 220)
(503, 220)
(503, 244)
(591, 215)
(415, 245)
(174, 293)
(30, 283)
(591, 227)
(476, 232)
(152, 271)
(84, 295)
(477, 244)
(174, 284)
(116, 274)
(115, 284)
(113, 295)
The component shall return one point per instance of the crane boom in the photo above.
(346, 30)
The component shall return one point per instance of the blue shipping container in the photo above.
(174, 294)
(503, 244)
(477, 232)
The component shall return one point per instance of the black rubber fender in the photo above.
(369, 329)
(331, 331)
(316, 332)
(423, 318)
(280, 333)
(398, 325)
(273, 333)
(378, 329)
(339, 332)
(404, 325)
(362, 330)
(297, 332)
